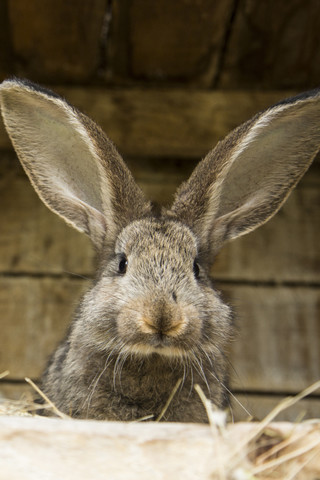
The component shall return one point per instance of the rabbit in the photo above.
(152, 320)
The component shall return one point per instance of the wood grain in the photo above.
(15, 391)
(36, 448)
(273, 45)
(259, 406)
(6, 59)
(277, 344)
(228, 44)
(56, 39)
(157, 28)
(35, 313)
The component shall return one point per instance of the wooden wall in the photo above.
(166, 80)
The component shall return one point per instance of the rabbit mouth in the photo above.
(158, 346)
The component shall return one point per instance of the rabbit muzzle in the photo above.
(162, 319)
(159, 325)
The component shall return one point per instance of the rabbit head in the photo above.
(152, 315)
(156, 297)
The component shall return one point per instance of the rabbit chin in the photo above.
(146, 350)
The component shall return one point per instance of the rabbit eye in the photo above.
(196, 269)
(123, 265)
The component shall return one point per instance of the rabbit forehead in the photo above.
(164, 235)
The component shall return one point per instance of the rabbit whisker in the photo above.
(189, 372)
(199, 368)
(97, 377)
(222, 384)
(94, 386)
(231, 366)
(184, 376)
(231, 394)
(105, 365)
(207, 355)
(125, 358)
(118, 366)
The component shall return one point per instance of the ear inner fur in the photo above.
(73, 166)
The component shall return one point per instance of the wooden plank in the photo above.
(276, 348)
(15, 391)
(273, 45)
(34, 316)
(156, 31)
(277, 344)
(117, 48)
(35, 240)
(6, 60)
(259, 406)
(56, 39)
(165, 123)
(36, 448)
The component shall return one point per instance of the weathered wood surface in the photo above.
(273, 44)
(6, 59)
(34, 316)
(34, 240)
(45, 448)
(166, 123)
(56, 39)
(259, 406)
(158, 28)
(277, 347)
(15, 391)
(223, 43)
(278, 343)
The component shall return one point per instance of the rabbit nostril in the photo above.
(148, 326)
(174, 296)
(162, 327)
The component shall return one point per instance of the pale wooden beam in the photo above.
(33, 448)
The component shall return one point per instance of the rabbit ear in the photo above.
(246, 178)
(72, 165)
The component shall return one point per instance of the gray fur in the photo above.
(152, 316)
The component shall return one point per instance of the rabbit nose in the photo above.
(164, 320)
(162, 325)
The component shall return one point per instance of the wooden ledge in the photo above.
(33, 448)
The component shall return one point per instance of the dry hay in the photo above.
(269, 450)
(242, 451)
